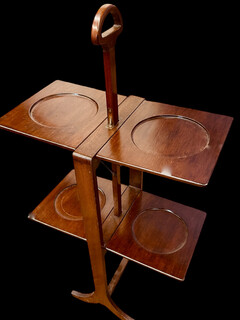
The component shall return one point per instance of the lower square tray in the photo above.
(60, 209)
(160, 234)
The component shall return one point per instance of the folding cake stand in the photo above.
(173, 142)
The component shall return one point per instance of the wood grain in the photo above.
(99, 137)
(85, 169)
(174, 142)
(177, 143)
(62, 114)
(61, 209)
(165, 244)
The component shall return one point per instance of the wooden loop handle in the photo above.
(107, 38)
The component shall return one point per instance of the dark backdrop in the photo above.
(174, 53)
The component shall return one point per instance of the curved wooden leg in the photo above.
(116, 310)
(106, 301)
(85, 170)
(86, 297)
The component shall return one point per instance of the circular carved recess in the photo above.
(170, 136)
(63, 110)
(160, 231)
(67, 203)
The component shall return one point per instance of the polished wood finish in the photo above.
(89, 228)
(116, 186)
(160, 234)
(85, 169)
(63, 114)
(69, 219)
(85, 164)
(107, 40)
(112, 221)
(93, 144)
(61, 210)
(136, 178)
(87, 190)
(99, 137)
(174, 142)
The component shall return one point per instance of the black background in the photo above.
(179, 54)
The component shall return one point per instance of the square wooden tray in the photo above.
(155, 232)
(60, 209)
(62, 114)
(173, 142)
(160, 234)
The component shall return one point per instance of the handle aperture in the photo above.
(107, 38)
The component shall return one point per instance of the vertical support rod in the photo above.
(107, 40)
(111, 85)
(116, 186)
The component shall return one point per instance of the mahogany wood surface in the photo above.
(160, 234)
(112, 221)
(99, 137)
(85, 169)
(61, 208)
(116, 188)
(174, 142)
(62, 114)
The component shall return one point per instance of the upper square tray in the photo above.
(174, 142)
(62, 113)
